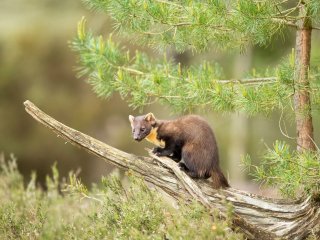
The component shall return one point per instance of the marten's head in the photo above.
(142, 125)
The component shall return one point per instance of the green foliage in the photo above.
(194, 24)
(143, 81)
(291, 172)
(112, 211)
(314, 10)
(191, 24)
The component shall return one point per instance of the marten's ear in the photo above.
(131, 119)
(149, 117)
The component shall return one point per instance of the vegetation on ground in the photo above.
(112, 210)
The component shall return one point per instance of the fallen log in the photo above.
(257, 217)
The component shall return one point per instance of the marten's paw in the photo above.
(161, 154)
(156, 150)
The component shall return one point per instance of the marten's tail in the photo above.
(219, 180)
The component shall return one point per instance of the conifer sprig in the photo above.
(291, 172)
(196, 24)
(142, 81)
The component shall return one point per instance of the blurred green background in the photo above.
(36, 63)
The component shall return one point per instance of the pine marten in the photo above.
(188, 140)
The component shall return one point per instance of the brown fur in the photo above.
(189, 140)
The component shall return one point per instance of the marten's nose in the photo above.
(136, 138)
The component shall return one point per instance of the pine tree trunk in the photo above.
(302, 103)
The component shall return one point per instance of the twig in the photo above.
(283, 21)
(316, 28)
(250, 80)
(91, 198)
(282, 132)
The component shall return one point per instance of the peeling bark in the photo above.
(257, 217)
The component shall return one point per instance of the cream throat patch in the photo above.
(152, 137)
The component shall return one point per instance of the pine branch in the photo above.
(142, 81)
(195, 25)
(257, 217)
(284, 21)
(291, 172)
(247, 81)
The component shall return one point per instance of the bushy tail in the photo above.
(219, 180)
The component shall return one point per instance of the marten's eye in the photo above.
(133, 130)
(143, 129)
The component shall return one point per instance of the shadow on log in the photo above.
(258, 217)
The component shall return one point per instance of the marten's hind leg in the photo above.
(184, 168)
(188, 163)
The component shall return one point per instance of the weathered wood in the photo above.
(258, 217)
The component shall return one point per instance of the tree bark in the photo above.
(302, 103)
(257, 217)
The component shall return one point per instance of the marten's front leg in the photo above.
(168, 150)
(163, 151)
(173, 154)
(157, 150)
